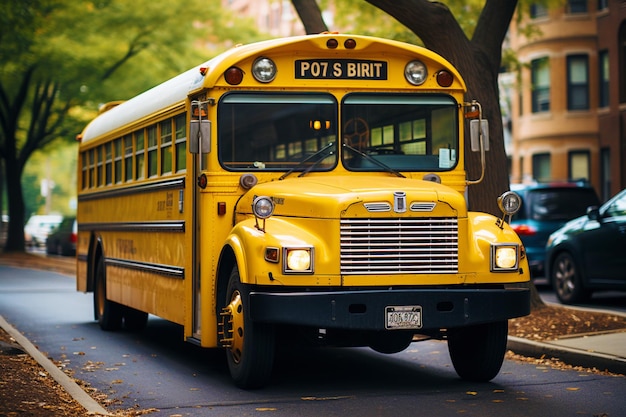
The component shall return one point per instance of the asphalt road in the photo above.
(156, 369)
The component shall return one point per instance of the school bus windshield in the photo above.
(299, 132)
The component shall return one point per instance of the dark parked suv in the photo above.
(587, 254)
(545, 208)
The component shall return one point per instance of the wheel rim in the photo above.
(564, 275)
(233, 319)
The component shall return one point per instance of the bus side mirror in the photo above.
(479, 130)
(200, 136)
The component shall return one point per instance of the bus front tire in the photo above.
(108, 313)
(477, 352)
(249, 345)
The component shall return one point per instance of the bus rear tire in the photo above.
(477, 352)
(250, 351)
(134, 320)
(108, 313)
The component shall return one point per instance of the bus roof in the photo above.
(175, 91)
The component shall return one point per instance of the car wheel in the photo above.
(477, 352)
(566, 279)
(249, 345)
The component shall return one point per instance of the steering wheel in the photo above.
(356, 133)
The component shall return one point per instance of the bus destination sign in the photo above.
(345, 69)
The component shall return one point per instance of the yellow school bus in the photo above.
(310, 187)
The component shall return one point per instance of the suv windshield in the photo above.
(379, 132)
(559, 203)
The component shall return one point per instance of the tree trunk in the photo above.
(310, 15)
(15, 235)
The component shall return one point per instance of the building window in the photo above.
(578, 82)
(579, 165)
(540, 78)
(541, 167)
(603, 4)
(603, 62)
(577, 6)
(538, 10)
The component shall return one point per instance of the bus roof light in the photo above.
(445, 78)
(233, 76)
(332, 43)
(350, 43)
(264, 70)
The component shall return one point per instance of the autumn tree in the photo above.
(59, 59)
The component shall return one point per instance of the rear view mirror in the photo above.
(479, 130)
(200, 136)
(199, 128)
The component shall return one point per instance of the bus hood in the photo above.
(356, 196)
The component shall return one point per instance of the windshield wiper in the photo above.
(320, 157)
(374, 160)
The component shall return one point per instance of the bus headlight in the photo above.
(504, 257)
(415, 72)
(264, 70)
(298, 260)
(262, 207)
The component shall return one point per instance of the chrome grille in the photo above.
(399, 246)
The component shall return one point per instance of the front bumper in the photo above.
(365, 309)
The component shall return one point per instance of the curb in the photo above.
(71, 387)
(574, 357)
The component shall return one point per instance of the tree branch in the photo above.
(491, 29)
(310, 15)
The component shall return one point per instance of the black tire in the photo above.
(250, 354)
(477, 352)
(134, 320)
(107, 313)
(566, 279)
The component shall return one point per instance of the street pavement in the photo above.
(604, 351)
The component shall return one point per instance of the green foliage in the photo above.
(358, 16)
(61, 59)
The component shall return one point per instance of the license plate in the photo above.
(403, 317)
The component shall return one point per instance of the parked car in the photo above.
(587, 254)
(62, 240)
(38, 227)
(545, 208)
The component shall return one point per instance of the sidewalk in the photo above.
(600, 350)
